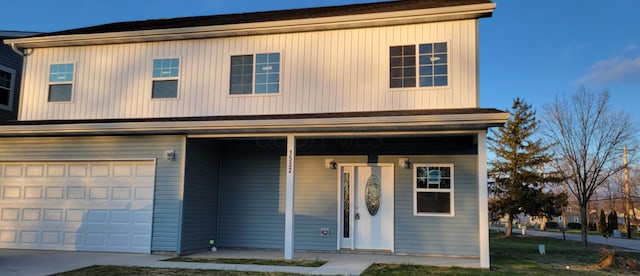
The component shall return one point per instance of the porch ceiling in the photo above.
(453, 120)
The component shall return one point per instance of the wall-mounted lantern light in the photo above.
(170, 155)
(404, 163)
(330, 164)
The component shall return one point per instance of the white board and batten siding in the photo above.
(109, 193)
(324, 71)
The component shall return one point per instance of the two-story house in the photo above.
(353, 127)
(10, 75)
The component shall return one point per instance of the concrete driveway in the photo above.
(44, 262)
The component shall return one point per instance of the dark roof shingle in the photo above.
(255, 17)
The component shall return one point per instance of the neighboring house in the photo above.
(10, 76)
(352, 127)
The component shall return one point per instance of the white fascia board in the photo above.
(356, 124)
(260, 28)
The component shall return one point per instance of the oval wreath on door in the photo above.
(372, 195)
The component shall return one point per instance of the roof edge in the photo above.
(472, 119)
(378, 19)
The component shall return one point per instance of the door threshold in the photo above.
(366, 251)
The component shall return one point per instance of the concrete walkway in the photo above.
(42, 262)
(633, 245)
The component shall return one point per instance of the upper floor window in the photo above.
(264, 80)
(61, 82)
(433, 189)
(6, 87)
(165, 78)
(424, 65)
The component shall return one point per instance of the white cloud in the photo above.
(630, 48)
(613, 70)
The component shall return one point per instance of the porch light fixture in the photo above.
(170, 155)
(404, 163)
(330, 164)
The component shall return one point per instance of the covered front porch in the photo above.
(282, 192)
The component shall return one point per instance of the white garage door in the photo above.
(79, 206)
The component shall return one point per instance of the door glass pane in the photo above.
(346, 204)
(372, 195)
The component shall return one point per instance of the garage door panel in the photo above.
(29, 237)
(31, 214)
(8, 236)
(145, 170)
(33, 192)
(54, 193)
(11, 192)
(10, 214)
(99, 170)
(78, 170)
(84, 206)
(56, 171)
(74, 215)
(51, 238)
(122, 171)
(97, 193)
(53, 215)
(36, 171)
(121, 193)
(13, 171)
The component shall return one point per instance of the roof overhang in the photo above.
(415, 16)
(382, 122)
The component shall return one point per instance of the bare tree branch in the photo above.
(588, 137)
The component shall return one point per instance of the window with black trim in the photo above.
(422, 65)
(61, 82)
(165, 78)
(7, 80)
(255, 74)
(433, 189)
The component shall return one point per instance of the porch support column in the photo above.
(289, 194)
(483, 200)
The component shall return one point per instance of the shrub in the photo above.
(552, 225)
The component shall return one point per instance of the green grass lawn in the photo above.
(517, 255)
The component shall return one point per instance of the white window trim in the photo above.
(450, 190)
(12, 88)
(72, 82)
(177, 79)
(418, 87)
(253, 77)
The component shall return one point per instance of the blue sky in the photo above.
(535, 49)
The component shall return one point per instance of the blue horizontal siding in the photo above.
(167, 203)
(251, 202)
(200, 207)
(457, 235)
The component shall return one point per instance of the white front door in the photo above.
(367, 216)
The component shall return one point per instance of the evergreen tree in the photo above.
(612, 221)
(518, 169)
(602, 224)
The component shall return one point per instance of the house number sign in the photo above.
(372, 195)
